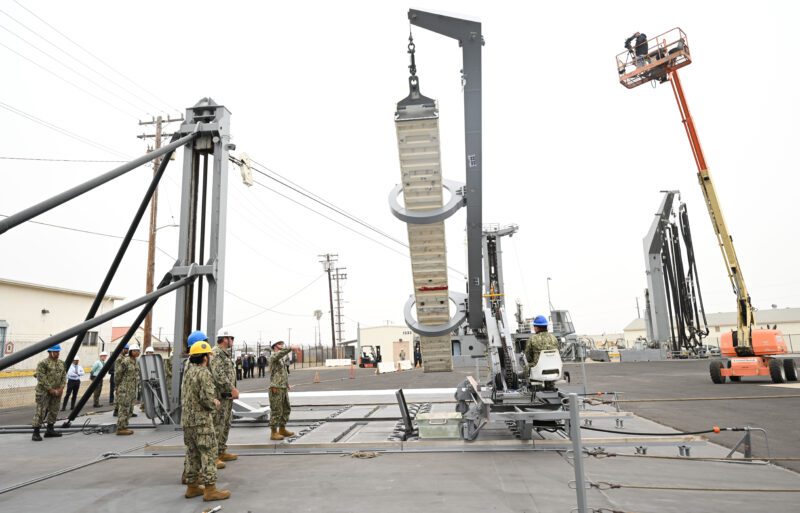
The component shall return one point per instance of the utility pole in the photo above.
(638, 313)
(327, 266)
(339, 276)
(151, 243)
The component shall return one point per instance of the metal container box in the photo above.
(439, 425)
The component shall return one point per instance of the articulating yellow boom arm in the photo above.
(742, 340)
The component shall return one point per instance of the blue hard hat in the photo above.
(196, 336)
(54, 348)
(540, 320)
(126, 345)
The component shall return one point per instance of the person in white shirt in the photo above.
(74, 374)
(98, 365)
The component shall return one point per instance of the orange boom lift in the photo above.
(746, 351)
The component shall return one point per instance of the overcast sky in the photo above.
(572, 157)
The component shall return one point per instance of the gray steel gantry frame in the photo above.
(214, 139)
(468, 35)
(656, 310)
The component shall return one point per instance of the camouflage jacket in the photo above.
(223, 371)
(279, 376)
(126, 375)
(50, 374)
(197, 397)
(542, 341)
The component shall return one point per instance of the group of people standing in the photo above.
(247, 364)
(52, 376)
(208, 389)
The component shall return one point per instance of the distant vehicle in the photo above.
(367, 357)
(709, 352)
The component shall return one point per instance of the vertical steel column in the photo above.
(577, 451)
(219, 220)
(468, 34)
(183, 297)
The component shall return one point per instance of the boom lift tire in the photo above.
(776, 371)
(715, 369)
(790, 369)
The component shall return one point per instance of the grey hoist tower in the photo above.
(417, 125)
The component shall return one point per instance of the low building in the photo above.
(390, 339)
(785, 319)
(30, 313)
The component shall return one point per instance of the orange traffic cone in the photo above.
(316, 377)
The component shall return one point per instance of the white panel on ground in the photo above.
(384, 367)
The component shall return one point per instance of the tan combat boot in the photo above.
(194, 490)
(124, 432)
(220, 464)
(212, 494)
(275, 435)
(285, 433)
(227, 456)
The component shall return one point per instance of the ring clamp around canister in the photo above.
(457, 200)
(438, 329)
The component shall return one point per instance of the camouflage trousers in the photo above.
(124, 408)
(46, 406)
(200, 462)
(279, 408)
(222, 422)
(97, 392)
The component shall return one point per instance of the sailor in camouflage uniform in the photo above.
(199, 405)
(279, 407)
(223, 370)
(540, 341)
(126, 377)
(50, 380)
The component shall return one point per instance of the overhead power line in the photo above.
(62, 160)
(270, 309)
(73, 84)
(101, 61)
(327, 204)
(60, 130)
(112, 236)
(61, 63)
(91, 232)
(322, 201)
(329, 218)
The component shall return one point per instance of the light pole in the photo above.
(318, 316)
(548, 293)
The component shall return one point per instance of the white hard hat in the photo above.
(76, 358)
(149, 350)
(224, 332)
(134, 347)
(103, 353)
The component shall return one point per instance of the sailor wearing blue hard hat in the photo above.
(540, 341)
(51, 376)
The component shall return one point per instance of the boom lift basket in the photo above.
(666, 52)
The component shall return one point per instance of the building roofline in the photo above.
(56, 289)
